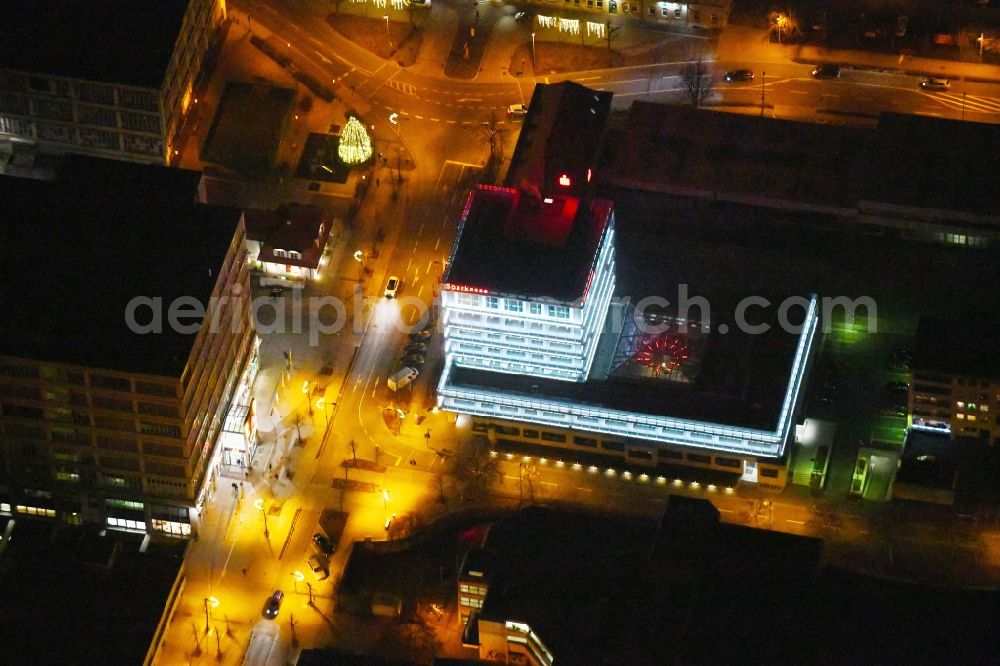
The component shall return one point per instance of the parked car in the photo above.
(416, 348)
(413, 360)
(392, 287)
(826, 71)
(900, 359)
(892, 410)
(273, 605)
(739, 75)
(517, 110)
(935, 84)
(322, 544)
(318, 566)
(423, 335)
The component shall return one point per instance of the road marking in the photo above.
(829, 95)
(438, 243)
(435, 120)
(797, 522)
(586, 490)
(548, 483)
(469, 99)
(588, 78)
(798, 92)
(429, 267)
(421, 292)
(419, 117)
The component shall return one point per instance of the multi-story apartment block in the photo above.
(113, 395)
(955, 379)
(117, 84)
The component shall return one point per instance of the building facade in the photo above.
(59, 106)
(709, 14)
(120, 405)
(289, 242)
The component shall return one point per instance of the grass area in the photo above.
(396, 40)
(247, 128)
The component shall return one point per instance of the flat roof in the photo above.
(80, 251)
(115, 41)
(702, 152)
(741, 382)
(905, 160)
(511, 242)
(562, 133)
(933, 163)
(966, 347)
(61, 607)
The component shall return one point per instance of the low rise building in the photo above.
(706, 14)
(113, 395)
(290, 241)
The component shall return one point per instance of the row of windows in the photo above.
(473, 589)
(470, 602)
(607, 445)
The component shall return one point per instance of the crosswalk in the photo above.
(970, 103)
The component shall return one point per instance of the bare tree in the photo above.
(475, 470)
(697, 82)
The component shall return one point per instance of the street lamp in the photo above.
(532, 51)
(359, 256)
(981, 39)
(385, 499)
(387, 36)
(214, 603)
(259, 503)
(297, 575)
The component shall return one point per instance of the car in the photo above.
(739, 75)
(273, 605)
(319, 567)
(420, 3)
(935, 84)
(517, 110)
(277, 292)
(892, 410)
(420, 337)
(322, 544)
(826, 71)
(391, 287)
(900, 359)
(524, 16)
(413, 360)
(415, 348)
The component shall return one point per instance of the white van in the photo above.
(402, 378)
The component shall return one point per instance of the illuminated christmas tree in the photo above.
(355, 146)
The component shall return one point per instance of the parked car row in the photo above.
(318, 563)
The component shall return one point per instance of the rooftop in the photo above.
(136, 39)
(741, 381)
(906, 160)
(965, 347)
(932, 163)
(62, 607)
(687, 150)
(291, 226)
(83, 248)
(512, 242)
(561, 134)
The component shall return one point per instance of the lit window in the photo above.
(972, 417)
(535, 308)
(984, 408)
(961, 405)
(492, 302)
(512, 305)
(960, 416)
(559, 311)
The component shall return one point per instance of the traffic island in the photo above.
(389, 40)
